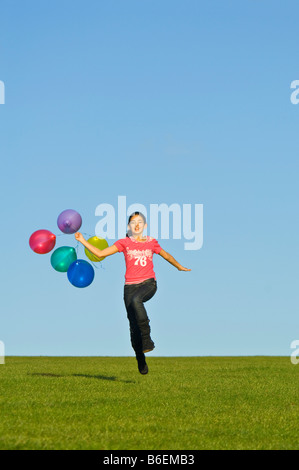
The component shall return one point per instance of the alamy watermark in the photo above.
(295, 95)
(2, 92)
(187, 221)
(2, 354)
(294, 345)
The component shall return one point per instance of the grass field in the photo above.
(184, 403)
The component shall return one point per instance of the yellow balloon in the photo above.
(99, 243)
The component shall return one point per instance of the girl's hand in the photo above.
(79, 237)
(181, 268)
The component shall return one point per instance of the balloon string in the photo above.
(95, 266)
(68, 234)
(88, 234)
(77, 249)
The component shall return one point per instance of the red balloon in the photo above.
(42, 241)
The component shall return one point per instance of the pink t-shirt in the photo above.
(139, 258)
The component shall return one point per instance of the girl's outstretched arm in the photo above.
(172, 261)
(110, 250)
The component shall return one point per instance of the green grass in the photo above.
(184, 403)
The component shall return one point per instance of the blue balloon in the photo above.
(80, 273)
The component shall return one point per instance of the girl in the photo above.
(140, 280)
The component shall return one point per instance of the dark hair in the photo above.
(129, 233)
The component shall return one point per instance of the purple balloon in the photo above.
(69, 221)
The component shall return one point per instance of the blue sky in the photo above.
(161, 102)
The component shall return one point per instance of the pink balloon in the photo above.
(42, 241)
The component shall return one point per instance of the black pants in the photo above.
(134, 296)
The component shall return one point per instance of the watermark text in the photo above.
(187, 221)
(295, 95)
(2, 92)
(2, 353)
(295, 345)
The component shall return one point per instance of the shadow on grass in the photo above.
(99, 377)
(104, 377)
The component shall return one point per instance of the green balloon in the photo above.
(62, 258)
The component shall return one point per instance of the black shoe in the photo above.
(143, 370)
(148, 345)
(142, 365)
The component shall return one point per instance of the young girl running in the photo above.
(140, 280)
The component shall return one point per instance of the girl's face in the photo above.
(137, 225)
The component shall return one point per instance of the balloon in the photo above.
(69, 221)
(62, 258)
(42, 241)
(80, 273)
(99, 243)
